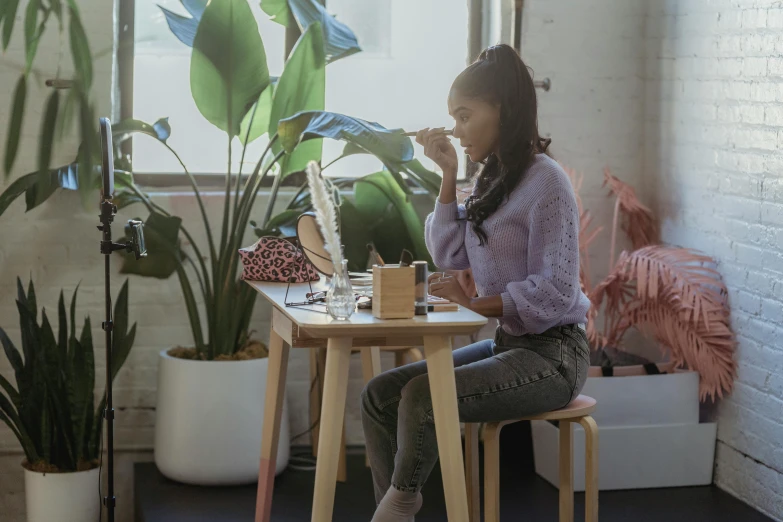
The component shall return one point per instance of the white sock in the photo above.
(397, 506)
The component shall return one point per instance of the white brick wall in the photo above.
(714, 126)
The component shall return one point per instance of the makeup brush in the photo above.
(447, 132)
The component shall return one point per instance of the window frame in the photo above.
(125, 59)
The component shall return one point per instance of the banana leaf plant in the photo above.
(51, 409)
(232, 88)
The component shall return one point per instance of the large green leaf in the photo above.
(426, 178)
(339, 40)
(58, 398)
(80, 48)
(15, 124)
(286, 217)
(81, 368)
(393, 220)
(122, 339)
(161, 235)
(390, 146)
(355, 233)
(257, 118)
(44, 185)
(15, 358)
(228, 69)
(31, 37)
(183, 27)
(62, 334)
(301, 87)
(46, 141)
(277, 10)
(9, 8)
(160, 130)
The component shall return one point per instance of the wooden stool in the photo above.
(578, 410)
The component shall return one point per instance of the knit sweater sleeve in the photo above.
(552, 286)
(444, 234)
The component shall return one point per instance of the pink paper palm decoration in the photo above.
(673, 295)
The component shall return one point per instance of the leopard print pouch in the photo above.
(275, 259)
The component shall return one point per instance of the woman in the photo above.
(518, 232)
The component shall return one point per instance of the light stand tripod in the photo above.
(135, 245)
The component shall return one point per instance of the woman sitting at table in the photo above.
(518, 232)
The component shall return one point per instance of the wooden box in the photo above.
(393, 292)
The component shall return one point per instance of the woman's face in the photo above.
(477, 125)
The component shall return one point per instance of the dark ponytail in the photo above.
(499, 76)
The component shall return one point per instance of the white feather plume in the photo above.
(325, 213)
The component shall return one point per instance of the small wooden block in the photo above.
(393, 292)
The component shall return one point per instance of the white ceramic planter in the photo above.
(64, 497)
(209, 418)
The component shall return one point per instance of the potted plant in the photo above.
(648, 413)
(289, 109)
(51, 409)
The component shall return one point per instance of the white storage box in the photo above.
(640, 400)
(633, 457)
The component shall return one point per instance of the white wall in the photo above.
(593, 53)
(714, 129)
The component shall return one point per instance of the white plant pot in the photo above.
(64, 497)
(209, 418)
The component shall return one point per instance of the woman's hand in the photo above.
(449, 287)
(438, 147)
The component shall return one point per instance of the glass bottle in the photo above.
(340, 301)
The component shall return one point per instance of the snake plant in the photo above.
(51, 409)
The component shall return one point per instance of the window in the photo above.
(411, 53)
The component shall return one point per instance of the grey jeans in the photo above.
(501, 379)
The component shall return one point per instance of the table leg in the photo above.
(342, 462)
(273, 410)
(440, 368)
(317, 369)
(338, 359)
(371, 362)
(371, 366)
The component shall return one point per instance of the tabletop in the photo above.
(460, 322)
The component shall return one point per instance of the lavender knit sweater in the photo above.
(531, 258)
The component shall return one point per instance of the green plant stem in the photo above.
(245, 209)
(227, 201)
(335, 160)
(207, 227)
(241, 161)
(251, 180)
(272, 199)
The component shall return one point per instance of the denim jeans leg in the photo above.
(532, 377)
(379, 406)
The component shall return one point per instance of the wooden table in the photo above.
(300, 327)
